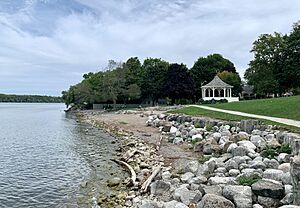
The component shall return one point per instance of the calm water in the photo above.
(45, 156)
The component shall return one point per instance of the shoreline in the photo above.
(151, 140)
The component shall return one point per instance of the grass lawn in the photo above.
(284, 107)
(194, 111)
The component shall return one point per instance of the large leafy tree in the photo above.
(292, 58)
(153, 75)
(179, 84)
(233, 79)
(266, 70)
(205, 68)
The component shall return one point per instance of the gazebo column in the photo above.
(224, 92)
(203, 92)
(229, 92)
(213, 92)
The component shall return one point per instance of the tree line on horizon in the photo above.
(30, 99)
(274, 70)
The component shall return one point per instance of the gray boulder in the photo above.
(239, 151)
(240, 195)
(273, 174)
(161, 190)
(268, 202)
(268, 188)
(192, 166)
(215, 201)
(187, 176)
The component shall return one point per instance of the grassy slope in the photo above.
(194, 111)
(285, 107)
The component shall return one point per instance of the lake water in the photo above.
(46, 156)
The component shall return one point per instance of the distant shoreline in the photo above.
(6, 98)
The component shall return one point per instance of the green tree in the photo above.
(179, 84)
(292, 58)
(233, 79)
(205, 68)
(267, 68)
(153, 76)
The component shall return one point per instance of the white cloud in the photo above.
(47, 45)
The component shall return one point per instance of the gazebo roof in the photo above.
(217, 82)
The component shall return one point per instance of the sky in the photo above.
(47, 45)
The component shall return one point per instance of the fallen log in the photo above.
(146, 184)
(130, 169)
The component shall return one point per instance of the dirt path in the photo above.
(134, 123)
(275, 119)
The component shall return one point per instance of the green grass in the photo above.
(248, 181)
(194, 111)
(284, 107)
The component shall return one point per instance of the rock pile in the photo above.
(240, 165)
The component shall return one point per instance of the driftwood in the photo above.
(129, 154)
(150, 179)
(159, 143)
(132, 172)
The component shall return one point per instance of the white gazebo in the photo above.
(217, 89)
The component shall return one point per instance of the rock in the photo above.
(248, 125)
(231, 164)
(285, 167)
(177, 140)
(192, 166)
(174, 204)
(221, 180)
(284, 158)
(256, 132)
(215, 201)
(289, 206)
(273, 164)
(288, 189)
(231, 147)
(243, 135)
(273, 174)
(160, 189)
(295, 176)
(268, 202)
(234, 172)
(247, 144)
(210, 146)
(273, 143)
(166, 127)
(198, 147)
(149, 204)
(239, 151)
(193, 132)
(288, 199)
(191, 197)
(212, 189)
(114, 181)
(240, 195)
(198, 180)
(178, 134)
(258, 165)
(268, 188)
(173, 130)
(257, 206)
(258, 141)
(166, 175)
(286, 178)
(187, 176)
(216, 136)
(197, 137)
(223, 140)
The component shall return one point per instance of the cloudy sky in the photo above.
(47, 45)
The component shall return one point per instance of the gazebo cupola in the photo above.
(217, 89)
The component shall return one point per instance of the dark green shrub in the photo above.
(285, 148)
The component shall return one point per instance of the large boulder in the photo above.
(268, 188)
(192, 166)
(174, 204)
(161, 190)
(268, 202)
(215, 201)
(240, 195)
(273, 174)
(258, 141)
(239, 151)
(247, 144)
(221, 180)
